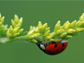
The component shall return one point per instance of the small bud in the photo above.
(8, 34)
(79, 29)
(48, 37)
(18, 25)
(2, 19)
(16, 34)
(43, 27)
(33, 40)
(36, 29)
(21, 19)
(82, 17)
(20, 22)
(52, 35)
(31, 28)
(30, 36)
(68, 36)
(0, 14)
(70, 31)
(31, 32)
(13, 23)
(20, 30)
(80, 23)
(57, 26)
(63, 34)
(66, 25)
(36, 35)
(73, 24)
(59, 31)
(47, 29)
(0, 23)
(16, 29)
(16, 19)
(39, 26)
(46, 33)
(10, 29)
(52, 40)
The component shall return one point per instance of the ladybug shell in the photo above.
(56, 48)
(53, 48)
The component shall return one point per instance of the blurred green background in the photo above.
(45, 11)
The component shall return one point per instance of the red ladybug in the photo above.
(52, 48)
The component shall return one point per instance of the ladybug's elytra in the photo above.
(52, 48)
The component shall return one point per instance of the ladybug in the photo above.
(52, 48)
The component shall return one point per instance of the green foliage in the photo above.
(69, 29)
(3, 28)
(14, 32)
(35, 32)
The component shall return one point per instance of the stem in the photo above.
(5, 39)
(20, 38)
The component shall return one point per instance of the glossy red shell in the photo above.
(53, 49)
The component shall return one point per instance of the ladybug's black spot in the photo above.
(62, 45)
(55, 45)
(62, 49)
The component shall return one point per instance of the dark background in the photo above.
(44, 11)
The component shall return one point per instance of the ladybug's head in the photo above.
(41, 45)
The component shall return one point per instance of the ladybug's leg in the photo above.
(60, 41)
(44, 41)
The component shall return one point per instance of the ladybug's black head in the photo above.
(41, 45)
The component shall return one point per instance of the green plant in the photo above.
(14, 32)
